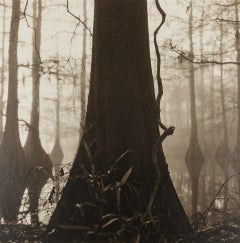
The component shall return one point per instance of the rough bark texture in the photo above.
(121, 116)
(194, 156)
(37, 159)
(12, 161)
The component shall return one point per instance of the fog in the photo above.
(214, 63)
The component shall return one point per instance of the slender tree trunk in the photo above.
(202, 95)
(236, 165)
(2, 71)
(224, 121)
(238, 70)
(212, 165)
(12, 161)
(2, 80)
(83, 70)
(194, 155)
(121, 116)
(202, 112)
(57, 153)
(39, 162)
(222, 153)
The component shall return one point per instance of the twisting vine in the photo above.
(167, 131)
(159, 79)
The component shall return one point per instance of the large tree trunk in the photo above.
(121, 116)
(12, 160)
(37, 159)
(194, 156)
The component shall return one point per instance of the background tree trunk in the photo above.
(12, 161)
(2, 72)
(236, 154)
(57, 153)
(212, 165)
(83, 70)
(121, 116)
(203, 120)
(37, 159)
(223, 152)
(194, 156)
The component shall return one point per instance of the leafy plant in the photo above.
(110, 221)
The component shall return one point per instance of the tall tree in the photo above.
(194, 156)
(83, 69)
(121, 128)
(223, 152)
(37, 159)
(202, 113)
(212, 164)
(57, 153)
(12, 160)
(2, 70)
(236, 153)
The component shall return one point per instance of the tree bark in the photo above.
(121, 119)
(12, 160)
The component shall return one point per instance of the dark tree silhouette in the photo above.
(12, 160)
(194, 156)
(37, 159)
(121, 125)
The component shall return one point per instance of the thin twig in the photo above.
(219, 191)
(191, 58)
(80, 21)
(31, 27)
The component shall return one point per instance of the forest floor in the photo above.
(20, 233)
(229, 232)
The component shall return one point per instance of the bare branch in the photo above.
(190, 58)
(227, 20)
(25, 122)
(80, 21)
(31, 27)
(227, 5)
